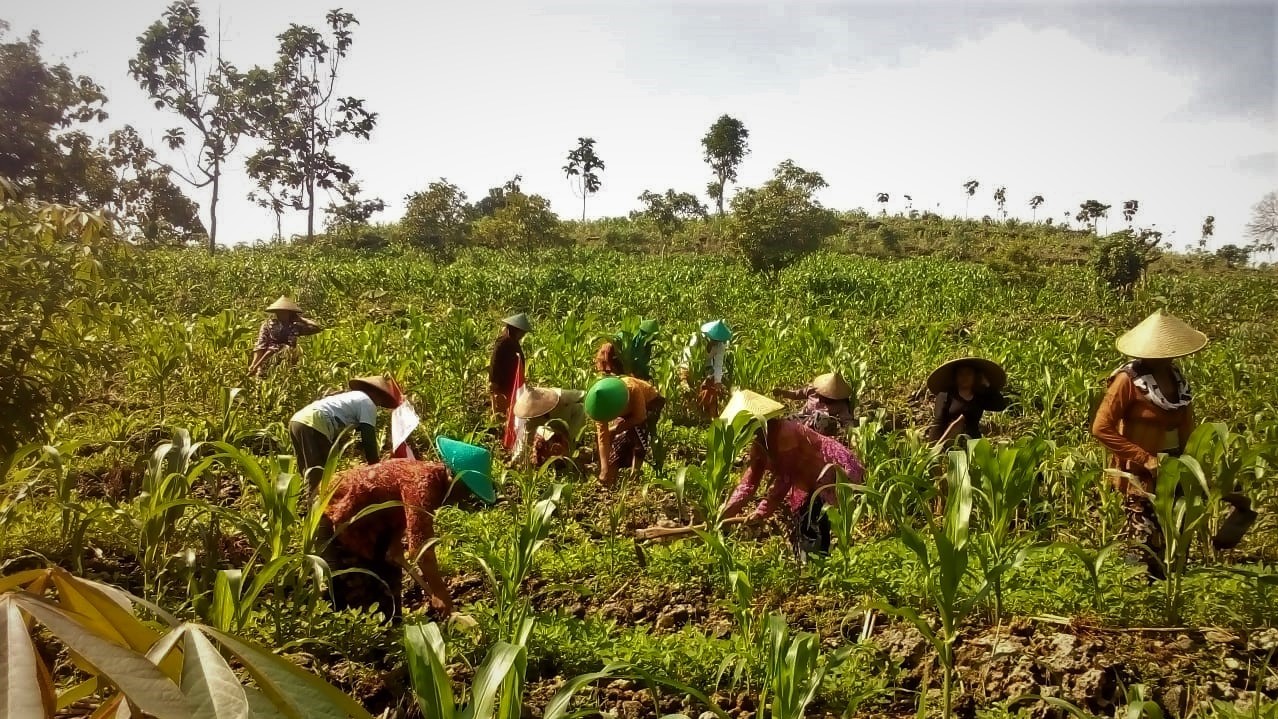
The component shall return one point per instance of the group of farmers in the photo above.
(380, 515)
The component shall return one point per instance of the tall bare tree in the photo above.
(1262, 229)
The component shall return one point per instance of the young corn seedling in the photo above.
(792, 670)
(1181, 508)
(944, 572)
(507, 564)
(1003, 481)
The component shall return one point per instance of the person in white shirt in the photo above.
(315, 427)
(705, 367)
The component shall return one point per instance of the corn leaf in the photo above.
(20, 690)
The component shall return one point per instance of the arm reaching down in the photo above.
(368, 442)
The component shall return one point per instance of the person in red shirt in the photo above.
(388, 540)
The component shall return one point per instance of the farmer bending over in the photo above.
(827, 404)
(552, 420)
(377, 541)
(316, 426)
(705, 367)
(636, 407)
(279, 333)
(802, 463)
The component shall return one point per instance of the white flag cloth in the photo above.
(403, 421)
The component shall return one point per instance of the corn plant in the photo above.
(1180, 504)
(1230, 464)
(1003, 481)
(792, 670)
(507, 564)
(34, 466)
(1092, 560)
(137, 671)
(944, 572)
(164, 349)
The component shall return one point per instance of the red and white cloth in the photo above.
(514, 425)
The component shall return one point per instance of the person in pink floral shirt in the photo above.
(805, 466)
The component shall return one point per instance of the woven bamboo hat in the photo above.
(283, 304)
(377, 386)
(1161, 336)
(832, 386)
(519, 322)
(752, 403)
(942, 378)
(536, 401)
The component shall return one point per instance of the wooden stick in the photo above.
(655, 533)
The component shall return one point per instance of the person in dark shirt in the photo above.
(965, 390)
(508, 355)
(279, 334)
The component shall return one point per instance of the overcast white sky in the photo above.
(1171, 105)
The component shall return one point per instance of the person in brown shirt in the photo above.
(508, 355)
(1147, 412)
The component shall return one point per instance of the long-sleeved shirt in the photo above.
(566, 419)
(797, 457)
(276, 335)
(1134, 429)
(507, 354)
(420, 486)
(949, 406)
(641, 396)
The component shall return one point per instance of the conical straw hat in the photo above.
(832, 386)
(283, 304)
(519, 322)
(376, 384)
(1161, 336)
(535, 402)
(942, 378)
(752, 403)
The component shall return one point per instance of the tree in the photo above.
(38, 103)
(353, 213)
(1035, 202)
(1262, 229)
(1000, 198)
(294, 110)
(1130, 207)
(173, 67)
(670, 211)
(1091, 211)
(582, 164)
(1209, 229)
(1233, 256)
(1120, 261)
(525, 223)
(496, 198)
(151, 210)
(47, 156)
(882, 199)
(726, 145)
(970, 188)
(776, 224)
(437, 219)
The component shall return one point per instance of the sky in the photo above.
(1172, 104)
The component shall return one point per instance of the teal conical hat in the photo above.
(607, 399)
(649, 327)
(717, 331)
(519, 322)
(471, 464)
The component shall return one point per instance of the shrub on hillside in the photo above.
(525, 223)
(1119, 261)
(780, 222)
